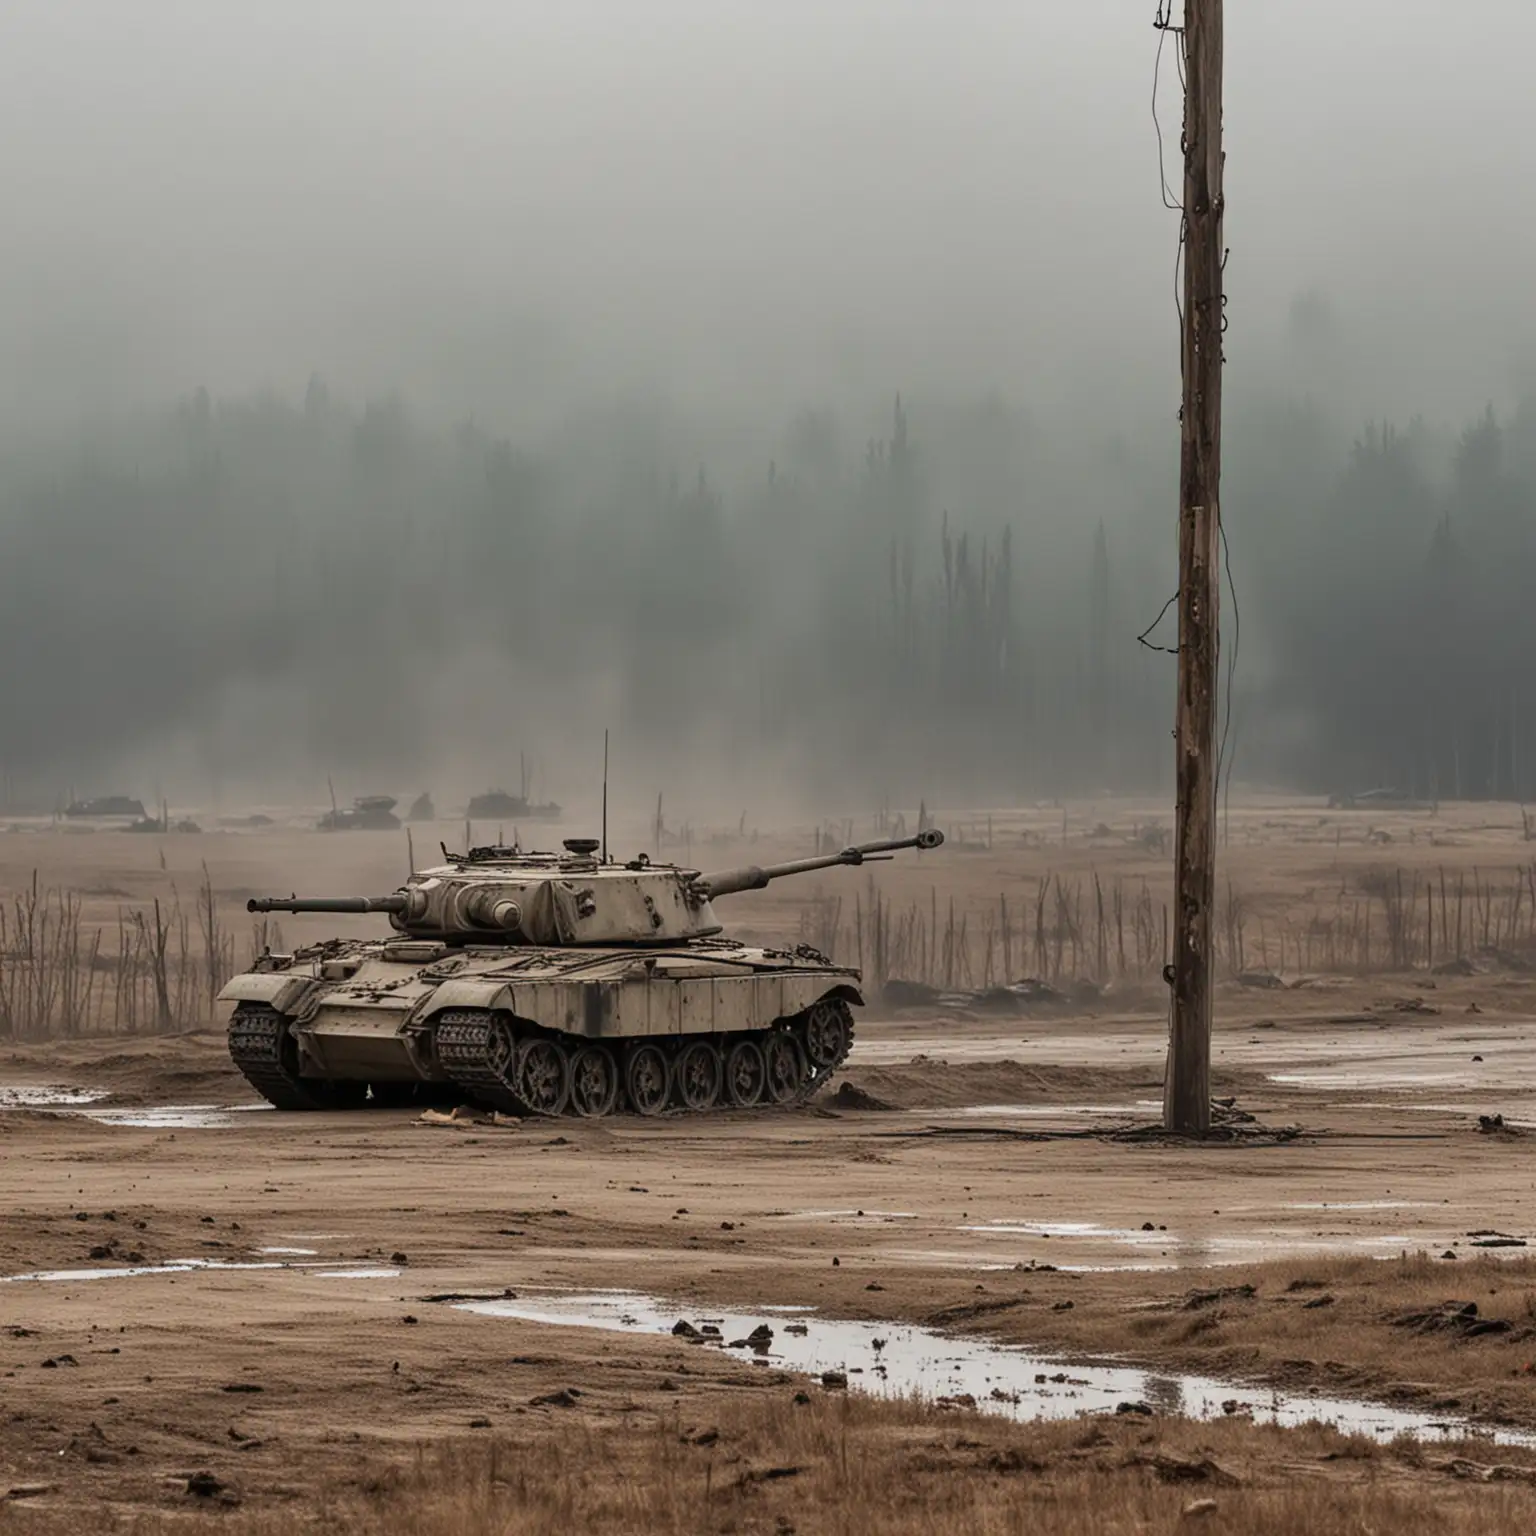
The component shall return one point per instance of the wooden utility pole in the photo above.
(1187, 1099)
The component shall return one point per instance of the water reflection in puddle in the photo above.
(174, 1117)
(1089, 1230)
(314, 1269)
(46, 1096)
(84, 1102)
(890, 1360)
(1354, 1078)
(1180, 1251)
(122, 1271)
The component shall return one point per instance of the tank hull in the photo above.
(542, 1031)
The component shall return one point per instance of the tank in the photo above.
(498, 805)
(106, 805)
(549, 984)
(369, 813)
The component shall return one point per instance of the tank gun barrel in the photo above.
(397, 903)
(753, 877)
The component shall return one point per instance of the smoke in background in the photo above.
(604, 311)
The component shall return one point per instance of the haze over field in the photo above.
(386, 389)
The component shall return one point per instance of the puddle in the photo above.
(78, 1101)
(1373, 1079)
(174, 1117)
(301, 1253)
(1198, 1251)
(47, 1096)
(1072, 1229)
(123, 1271)
(889, 1360)
(171, 1117)
(316, 1270)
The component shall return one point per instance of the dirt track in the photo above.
(858, 1214)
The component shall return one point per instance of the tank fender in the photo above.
(845, 993)
(466, 992)
(280, 989)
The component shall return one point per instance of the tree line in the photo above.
(947, 600)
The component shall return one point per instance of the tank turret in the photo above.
(505, 896)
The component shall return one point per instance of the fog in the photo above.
(387, 390)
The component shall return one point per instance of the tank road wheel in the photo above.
(699, 1073)
(745, 1074)
(544, 1077)
(647, 1080)
(594, 1082)
(827, 1032)
(785, 1062)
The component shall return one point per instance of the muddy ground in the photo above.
(287, 1335)
(1004, 1194)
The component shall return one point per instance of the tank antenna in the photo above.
(605, 795)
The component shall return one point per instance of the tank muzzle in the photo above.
(929, 839)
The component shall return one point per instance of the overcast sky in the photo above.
(496, 203)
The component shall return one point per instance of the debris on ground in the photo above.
(1495, 1125)
(1264, 980)
(1017, 997)
(1457, 1317)
(851, 1096)
(466, 1115)
(1173, 1468)
(1197, 1299)
(1478, 1472)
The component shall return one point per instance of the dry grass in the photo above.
(768, 1462)
(152, 968)
(106, 940)
(1113, 929)
(1331, 1322)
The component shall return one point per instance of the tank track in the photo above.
(257, 1036)
(468, 1046)
(465, 1041)
(817, 1080)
